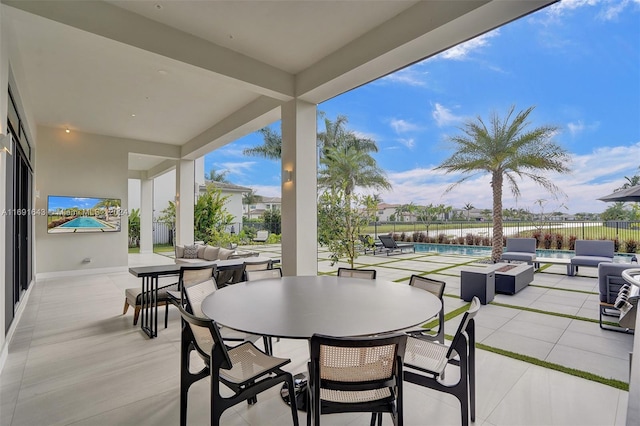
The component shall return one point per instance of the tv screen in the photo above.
(68, 215)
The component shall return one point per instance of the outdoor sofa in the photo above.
(520, 250)
(203, 252)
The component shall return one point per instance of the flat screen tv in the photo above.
(75, 215)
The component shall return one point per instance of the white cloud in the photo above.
(609, 9)
(408, 142)
(444, 117)
(412, 76)
(235, 168)
(580, 127)
(594, 175)
(365, 135)
(462, 50)
(402, 126)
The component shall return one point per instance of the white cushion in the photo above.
(211, 253)
(201, 249)
(224, 253)
(179, 251)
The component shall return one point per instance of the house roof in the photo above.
(271, 200)
(178, 79)
(225, 186)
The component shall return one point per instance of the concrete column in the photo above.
(146, 216)
(299, 205)
(185, 200)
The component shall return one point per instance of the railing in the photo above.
(626, 234)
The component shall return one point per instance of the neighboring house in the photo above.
(386, 210)
(255, 211)
(164, 191)
(234, 202)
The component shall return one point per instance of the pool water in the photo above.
(483, 251)
(83, 222)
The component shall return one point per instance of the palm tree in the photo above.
(271, 148)
(506, 149)
(347, 164)
(468, 207)
(218, 176)
(631, 181)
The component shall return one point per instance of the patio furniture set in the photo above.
(348, 335)
(617, 297)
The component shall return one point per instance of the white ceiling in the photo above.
(199, 74)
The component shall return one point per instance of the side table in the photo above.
(479, 282)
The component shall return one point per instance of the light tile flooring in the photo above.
(76, 360)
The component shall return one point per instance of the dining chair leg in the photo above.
(166, 314)
(126, 306)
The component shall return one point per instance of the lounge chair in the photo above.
(261, 237)
(391, 246)
(520, 250)
(591, 253)
(369, 244)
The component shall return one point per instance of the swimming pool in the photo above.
(83, 222)
(484, 251)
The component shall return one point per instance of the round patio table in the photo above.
(298, 307)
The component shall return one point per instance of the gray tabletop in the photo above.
(298, 307)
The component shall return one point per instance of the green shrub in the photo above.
(631, 245)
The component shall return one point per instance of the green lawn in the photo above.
(157, 248)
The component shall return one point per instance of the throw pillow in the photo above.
(201, 249)
(179, 252)
(224, 253)
(211, 253)
(191, 252)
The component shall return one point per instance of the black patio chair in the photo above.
(356, 374)
(244, 369)
(392, 246)
(425, 363)
(436, 288)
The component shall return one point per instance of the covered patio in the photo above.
(102, 92)
(89, 365)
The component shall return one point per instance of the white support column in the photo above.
(185, 200)
(146, 216)
(299, 204)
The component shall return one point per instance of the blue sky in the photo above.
(577, 61)
(64, 203)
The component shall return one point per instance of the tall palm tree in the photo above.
(505, 149)
(348, 164)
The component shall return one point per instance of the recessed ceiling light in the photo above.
(67, 130)
(133, 115)
(162, 72)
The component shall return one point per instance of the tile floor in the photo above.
(76, 360)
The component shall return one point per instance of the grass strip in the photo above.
(618, 384)
(539, 311)
(563, 289)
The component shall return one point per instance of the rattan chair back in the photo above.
(369, 274)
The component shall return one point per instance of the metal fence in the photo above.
(591, 230)
(162, 233)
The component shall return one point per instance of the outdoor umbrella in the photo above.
(629, 194)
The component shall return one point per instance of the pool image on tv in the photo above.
(82, 214)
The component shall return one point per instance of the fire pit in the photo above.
(511, 278)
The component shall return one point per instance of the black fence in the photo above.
(590, 230)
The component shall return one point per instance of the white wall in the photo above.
(164, 190)
(84, 165)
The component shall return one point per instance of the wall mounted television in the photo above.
(79, 215)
